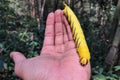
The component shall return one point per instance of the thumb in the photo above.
(17, 57)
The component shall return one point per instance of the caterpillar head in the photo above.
(83, 61)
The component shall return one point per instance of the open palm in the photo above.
(58, 59)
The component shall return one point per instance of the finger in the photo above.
(58, 27)
(70, 37)
(49, 32)
(65, 36)
(17, 57)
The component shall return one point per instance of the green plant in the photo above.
(17, 33)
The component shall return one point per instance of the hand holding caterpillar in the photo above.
(78, 35)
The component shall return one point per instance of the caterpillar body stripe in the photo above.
(78, 35)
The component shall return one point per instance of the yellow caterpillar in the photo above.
(78, 35)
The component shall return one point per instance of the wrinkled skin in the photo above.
(58, 59)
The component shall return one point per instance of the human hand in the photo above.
(58, 59)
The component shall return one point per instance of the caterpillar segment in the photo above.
(78, 35)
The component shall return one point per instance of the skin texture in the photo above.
(58, 59)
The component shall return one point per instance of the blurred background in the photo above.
(22, 26)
